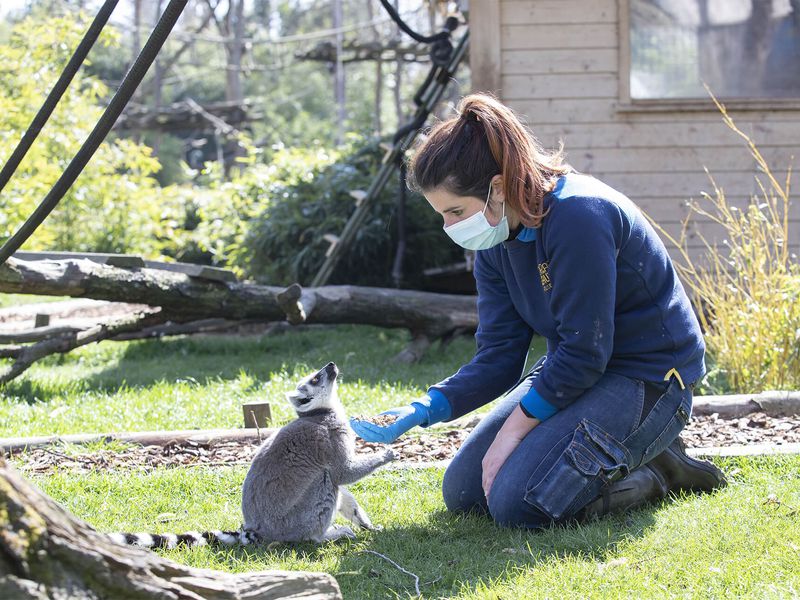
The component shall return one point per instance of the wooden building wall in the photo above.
(561, 64)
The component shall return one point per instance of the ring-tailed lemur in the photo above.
(295, 484)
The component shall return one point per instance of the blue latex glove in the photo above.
(424, 412)
(408, 417)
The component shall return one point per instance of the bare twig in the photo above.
(416, 579)
(69, 341)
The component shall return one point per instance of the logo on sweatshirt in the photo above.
(544, 275)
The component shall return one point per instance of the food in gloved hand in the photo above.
(381, 420)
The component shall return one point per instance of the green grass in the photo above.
(201, 382)
(7, 300)
(730, 544)
(724, 545)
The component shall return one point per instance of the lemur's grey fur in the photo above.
(296, 481)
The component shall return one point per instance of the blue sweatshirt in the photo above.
(596, 281)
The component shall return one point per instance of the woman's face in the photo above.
(457, 208)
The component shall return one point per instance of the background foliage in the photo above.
(265, 217)
(115, 205)
(284, 241)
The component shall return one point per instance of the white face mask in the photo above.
(475, 232)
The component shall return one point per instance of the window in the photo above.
(743, 49)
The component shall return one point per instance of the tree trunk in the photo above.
(184, 298)
(187, 303)
(338, 72)
(45, 552)
(376, 38)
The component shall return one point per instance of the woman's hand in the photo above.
(406, 418)
(513, 431)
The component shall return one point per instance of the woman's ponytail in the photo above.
(485, 139)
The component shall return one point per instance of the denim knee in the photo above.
(461, 489)
(512, 511)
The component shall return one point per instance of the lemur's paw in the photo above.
(389, 455)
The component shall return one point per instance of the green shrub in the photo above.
(115, 205)
(748, 294)
(218, 212)
(284, 242)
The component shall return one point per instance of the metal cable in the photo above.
(58, 90)
(126, 89)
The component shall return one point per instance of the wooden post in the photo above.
(257, 415)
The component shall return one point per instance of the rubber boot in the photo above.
(671, 471)
(639, 487)
(683, 473)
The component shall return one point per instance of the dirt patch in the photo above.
(215, 453)
(755, 428)
(702, 432)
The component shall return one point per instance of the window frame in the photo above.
(637, 105)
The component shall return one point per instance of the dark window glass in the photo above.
(740, 48)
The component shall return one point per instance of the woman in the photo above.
(593, 427)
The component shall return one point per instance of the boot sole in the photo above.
(714, 478)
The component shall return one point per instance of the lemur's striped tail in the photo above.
(190, 539)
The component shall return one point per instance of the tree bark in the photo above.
(62, 343)
(184, 298)
(45, 552)
(186, 304)
(338, 72)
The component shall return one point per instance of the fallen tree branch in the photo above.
(193, 327)
(38, 334)
(11, 351)
(189, 304)
(65, 342)
(434, 315)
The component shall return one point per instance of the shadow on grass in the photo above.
(454, 554)
(362, 352)
(450, 553)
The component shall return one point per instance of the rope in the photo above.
(57, 92)
(126, 89)
(442, 35)
(441, 48)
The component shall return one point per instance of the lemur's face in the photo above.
(316, 391)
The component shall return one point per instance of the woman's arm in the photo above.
(513, 431)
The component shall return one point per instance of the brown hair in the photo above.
(486, 138)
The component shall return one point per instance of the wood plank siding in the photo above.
(560, 65)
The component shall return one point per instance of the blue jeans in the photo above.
(564, 463)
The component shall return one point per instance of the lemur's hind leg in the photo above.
(349, 508)
(335, 532)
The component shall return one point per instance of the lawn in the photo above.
(201, 382)
(735, 543)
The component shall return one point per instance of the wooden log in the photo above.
(45, 552)
(775, 403)
(296, 303)
(185, 298)
(144, 438)
(176, 293)
(116, 260)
